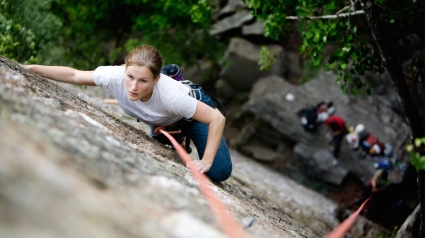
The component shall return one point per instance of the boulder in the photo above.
(241, 68)
(231, 7)
(232, 22)
(317, 162)
(272, 110)
(73, 166)
(256, 28)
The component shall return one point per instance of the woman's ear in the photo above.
(155, 80)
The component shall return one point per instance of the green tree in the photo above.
(16, 41)
(41, 27)
(88, 33)
(367, 36)
(101, 32)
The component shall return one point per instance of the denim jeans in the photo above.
(198, 133)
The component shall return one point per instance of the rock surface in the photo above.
(269, 117)
(71, 166)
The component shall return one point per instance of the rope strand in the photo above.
(228, 224)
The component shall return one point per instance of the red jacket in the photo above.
(336, 123)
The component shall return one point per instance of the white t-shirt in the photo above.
(169, 103)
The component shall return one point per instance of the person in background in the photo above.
(353, 137)
(324, 110)
(157, 100)
(335, 133)
(311, 117)
(379, 182)
(370, 146)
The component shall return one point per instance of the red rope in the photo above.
(228, 223)
(339, 231)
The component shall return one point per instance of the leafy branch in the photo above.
(417, 153)
(337, 15)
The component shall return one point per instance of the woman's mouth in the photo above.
(133, 94)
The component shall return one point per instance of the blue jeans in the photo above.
(198, 133)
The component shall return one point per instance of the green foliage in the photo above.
(201, 11)
(343, 45)
(17, 42)
(102, 33)
(41, 26)
(349, 57)
(274, 15)
(266, 58)
(417, 153)
(310, 70)
(87, 33)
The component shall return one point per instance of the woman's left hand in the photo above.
(202, 166)
(158, 129)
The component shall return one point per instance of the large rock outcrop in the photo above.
(74, 168)
(267, 128)
(269, 105)
(277, 124)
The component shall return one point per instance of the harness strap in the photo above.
(198, 91)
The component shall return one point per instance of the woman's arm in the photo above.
(216, 122)
(63, 74)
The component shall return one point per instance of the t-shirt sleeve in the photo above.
(104, 76)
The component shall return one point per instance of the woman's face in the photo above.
(139, 82)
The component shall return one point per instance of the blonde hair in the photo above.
(145, 55)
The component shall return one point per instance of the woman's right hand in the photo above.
(202, 166)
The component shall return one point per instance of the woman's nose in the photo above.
(133, 85)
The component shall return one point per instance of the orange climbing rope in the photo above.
(339, 231)
(228, 224)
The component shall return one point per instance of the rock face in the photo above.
(273, 112)
(275, 121)
(72, 166)
(263, 124)
(241, 70)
